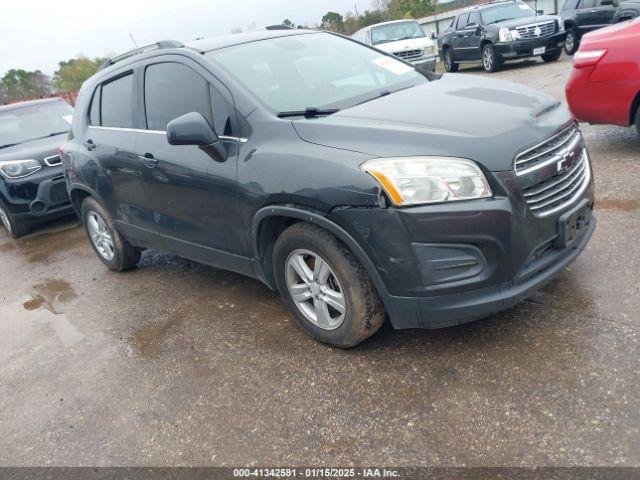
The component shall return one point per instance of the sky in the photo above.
(37, 34)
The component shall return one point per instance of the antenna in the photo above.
(133, 40)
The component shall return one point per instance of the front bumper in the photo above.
(525, 48)
(428, 63)
(446, 264)
(40, 196)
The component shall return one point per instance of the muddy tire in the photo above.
(490, 60)
(571, 43)
(552, 56)
(110, 247)
(449, 64)
(335, 301)
(12, 224)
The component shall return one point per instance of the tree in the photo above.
(71, 74)
(288, 23)
(333, 21)
(19, 84)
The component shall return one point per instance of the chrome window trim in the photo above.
(224, 138)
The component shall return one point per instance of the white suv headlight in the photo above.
(560, 25)
(19, 168)
(419, 180)
(505, 35)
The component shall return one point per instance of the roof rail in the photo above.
(162, 44)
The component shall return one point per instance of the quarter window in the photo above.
(116, 102)
(94, 111)
(171, 90)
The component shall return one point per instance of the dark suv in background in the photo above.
(32, 184)
(333, 172)
(583, 16)
(494, 33)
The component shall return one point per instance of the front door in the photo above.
(459, 39)
(193, 188)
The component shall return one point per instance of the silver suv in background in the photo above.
(403, 38)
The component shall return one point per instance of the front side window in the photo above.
(507, 11)
(462, 21)
(117, 110)
(171, 90)
(587, 4)
(318, 70)
(474, 19)
(393, 32)
(25, 123)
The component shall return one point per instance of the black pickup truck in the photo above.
(583, 16)
(496, 32)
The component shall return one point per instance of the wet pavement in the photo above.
(177, 363)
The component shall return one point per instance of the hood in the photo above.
(519, 22)
(402, 45)
(622, 28)
(36, 149)
(482, 119)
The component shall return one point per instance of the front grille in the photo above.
(558, 191)
(409, 54)
(53, 160)
(537, 30)
(549, 151)
(58, 193)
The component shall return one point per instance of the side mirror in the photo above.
(191, 129)
(541, 12)
(433, 36)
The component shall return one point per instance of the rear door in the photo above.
(587, 15)
(194, 189)
(114, 169)
(606, 11)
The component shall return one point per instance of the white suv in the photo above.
(403, 38)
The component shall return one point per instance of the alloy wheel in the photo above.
(487, 59)
(315, 289)
(569, 42)
(4, 217)
(100, 236)
(447, 61)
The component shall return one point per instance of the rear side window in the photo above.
(171, 90)
(587, 4)
(116, 103)
(570, 5)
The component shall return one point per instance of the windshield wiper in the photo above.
(501, 20)
(8, 145)
(309, 112)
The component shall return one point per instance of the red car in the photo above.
(604, 86)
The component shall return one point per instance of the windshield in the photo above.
(396, 31)
(317, 70)
(506, 11)
(21, 124)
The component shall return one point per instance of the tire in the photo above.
(449, 65)
(339, 276)
(12, 224)
(490, 60)
(638, 120)
(552, 56)
(571, 43)
(110, 247)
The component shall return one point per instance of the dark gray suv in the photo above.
(354, 184)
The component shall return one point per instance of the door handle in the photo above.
(148, 160)
(89, 145)
(593, 11)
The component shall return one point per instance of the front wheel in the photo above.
(571, 43)
(638, 121)
(111, 248)
(325, 287)
(490, 60)
(552, 56)
(449, 64)
(12, 224)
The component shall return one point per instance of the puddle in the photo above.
(620, 205)
(50, 294)
(41, 247)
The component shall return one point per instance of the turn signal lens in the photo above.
(587, 58)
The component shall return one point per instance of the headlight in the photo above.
(429, 51)
(560, 25)
(19, 168)
(504, 35)
(418, 180)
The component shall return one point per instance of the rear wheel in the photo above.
(571, 43)
(324, 286)
(449, 64)
(490, 60)
(638, 120)
(12, 224)
(110, 247)
(552, 56)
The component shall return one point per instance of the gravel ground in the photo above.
(176, 363)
